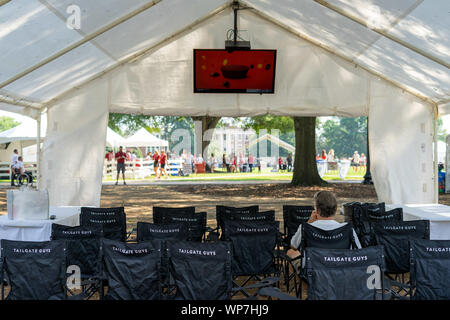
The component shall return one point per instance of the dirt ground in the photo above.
(139, 200)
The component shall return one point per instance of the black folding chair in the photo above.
(202, 271)
(395, 237)
(365, 214)
(257, 216)
(343, 274)
(194, 222)
(224, 212)
(158, 212)
(163, 232)
(112, 220)
(312, 237)
(293, 216)
(132, 270)
(430, 269)
(34, 270)
(254, 245)
(83, 252)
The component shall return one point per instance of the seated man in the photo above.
(19, 168)
(325, 206)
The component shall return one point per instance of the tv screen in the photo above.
(240, 71)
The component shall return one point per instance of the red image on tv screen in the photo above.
(240, 71)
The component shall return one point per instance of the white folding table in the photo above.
(38, 230)
(438, 214)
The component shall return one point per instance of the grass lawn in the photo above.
(264, 175)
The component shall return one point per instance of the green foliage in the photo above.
(344, 135)
(7, 123)
(441, 131)
(128, 124)
(269, 122)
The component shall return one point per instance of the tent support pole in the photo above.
(435, 162)
(38, 152)
(198, 138)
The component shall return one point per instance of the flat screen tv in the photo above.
(239, 71)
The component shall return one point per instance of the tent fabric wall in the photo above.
(310, 81)
(400, 145)
(73, 151)
(161, 82)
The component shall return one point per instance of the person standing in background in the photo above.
(156, 163)
(162, 163)
(251, 162)
(14, 160)
(330, 156)
(213, 162)
(289, 162)
(120, 158)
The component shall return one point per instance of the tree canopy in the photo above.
(7, 123)
(343, 135)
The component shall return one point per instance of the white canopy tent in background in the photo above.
(388, 60)
(24, 132)
(143, 138)
(113, 139)
(22, 137)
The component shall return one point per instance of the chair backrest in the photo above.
(339, 238)
(35, 270)
(253, 244)
(343, 274)
(391, 215)
(132, 270)
(83, 246)
(395, 237)
(293, 216)
(202, 271)
(257, 216)
(149, 231)
(430, 269)
(361, 221)
(224, 211)
(112, 220)
(158, 212)
(195, 222)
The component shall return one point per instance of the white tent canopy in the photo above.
(113, 139)
(388, 60)
(25, 132)
(143, 138)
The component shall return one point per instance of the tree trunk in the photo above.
(305, 166)
(207, 123)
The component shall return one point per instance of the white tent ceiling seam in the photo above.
(77, 44)
(384, 33)
(145, 52)
(317, 42)
(140, 54)
(413, 91)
